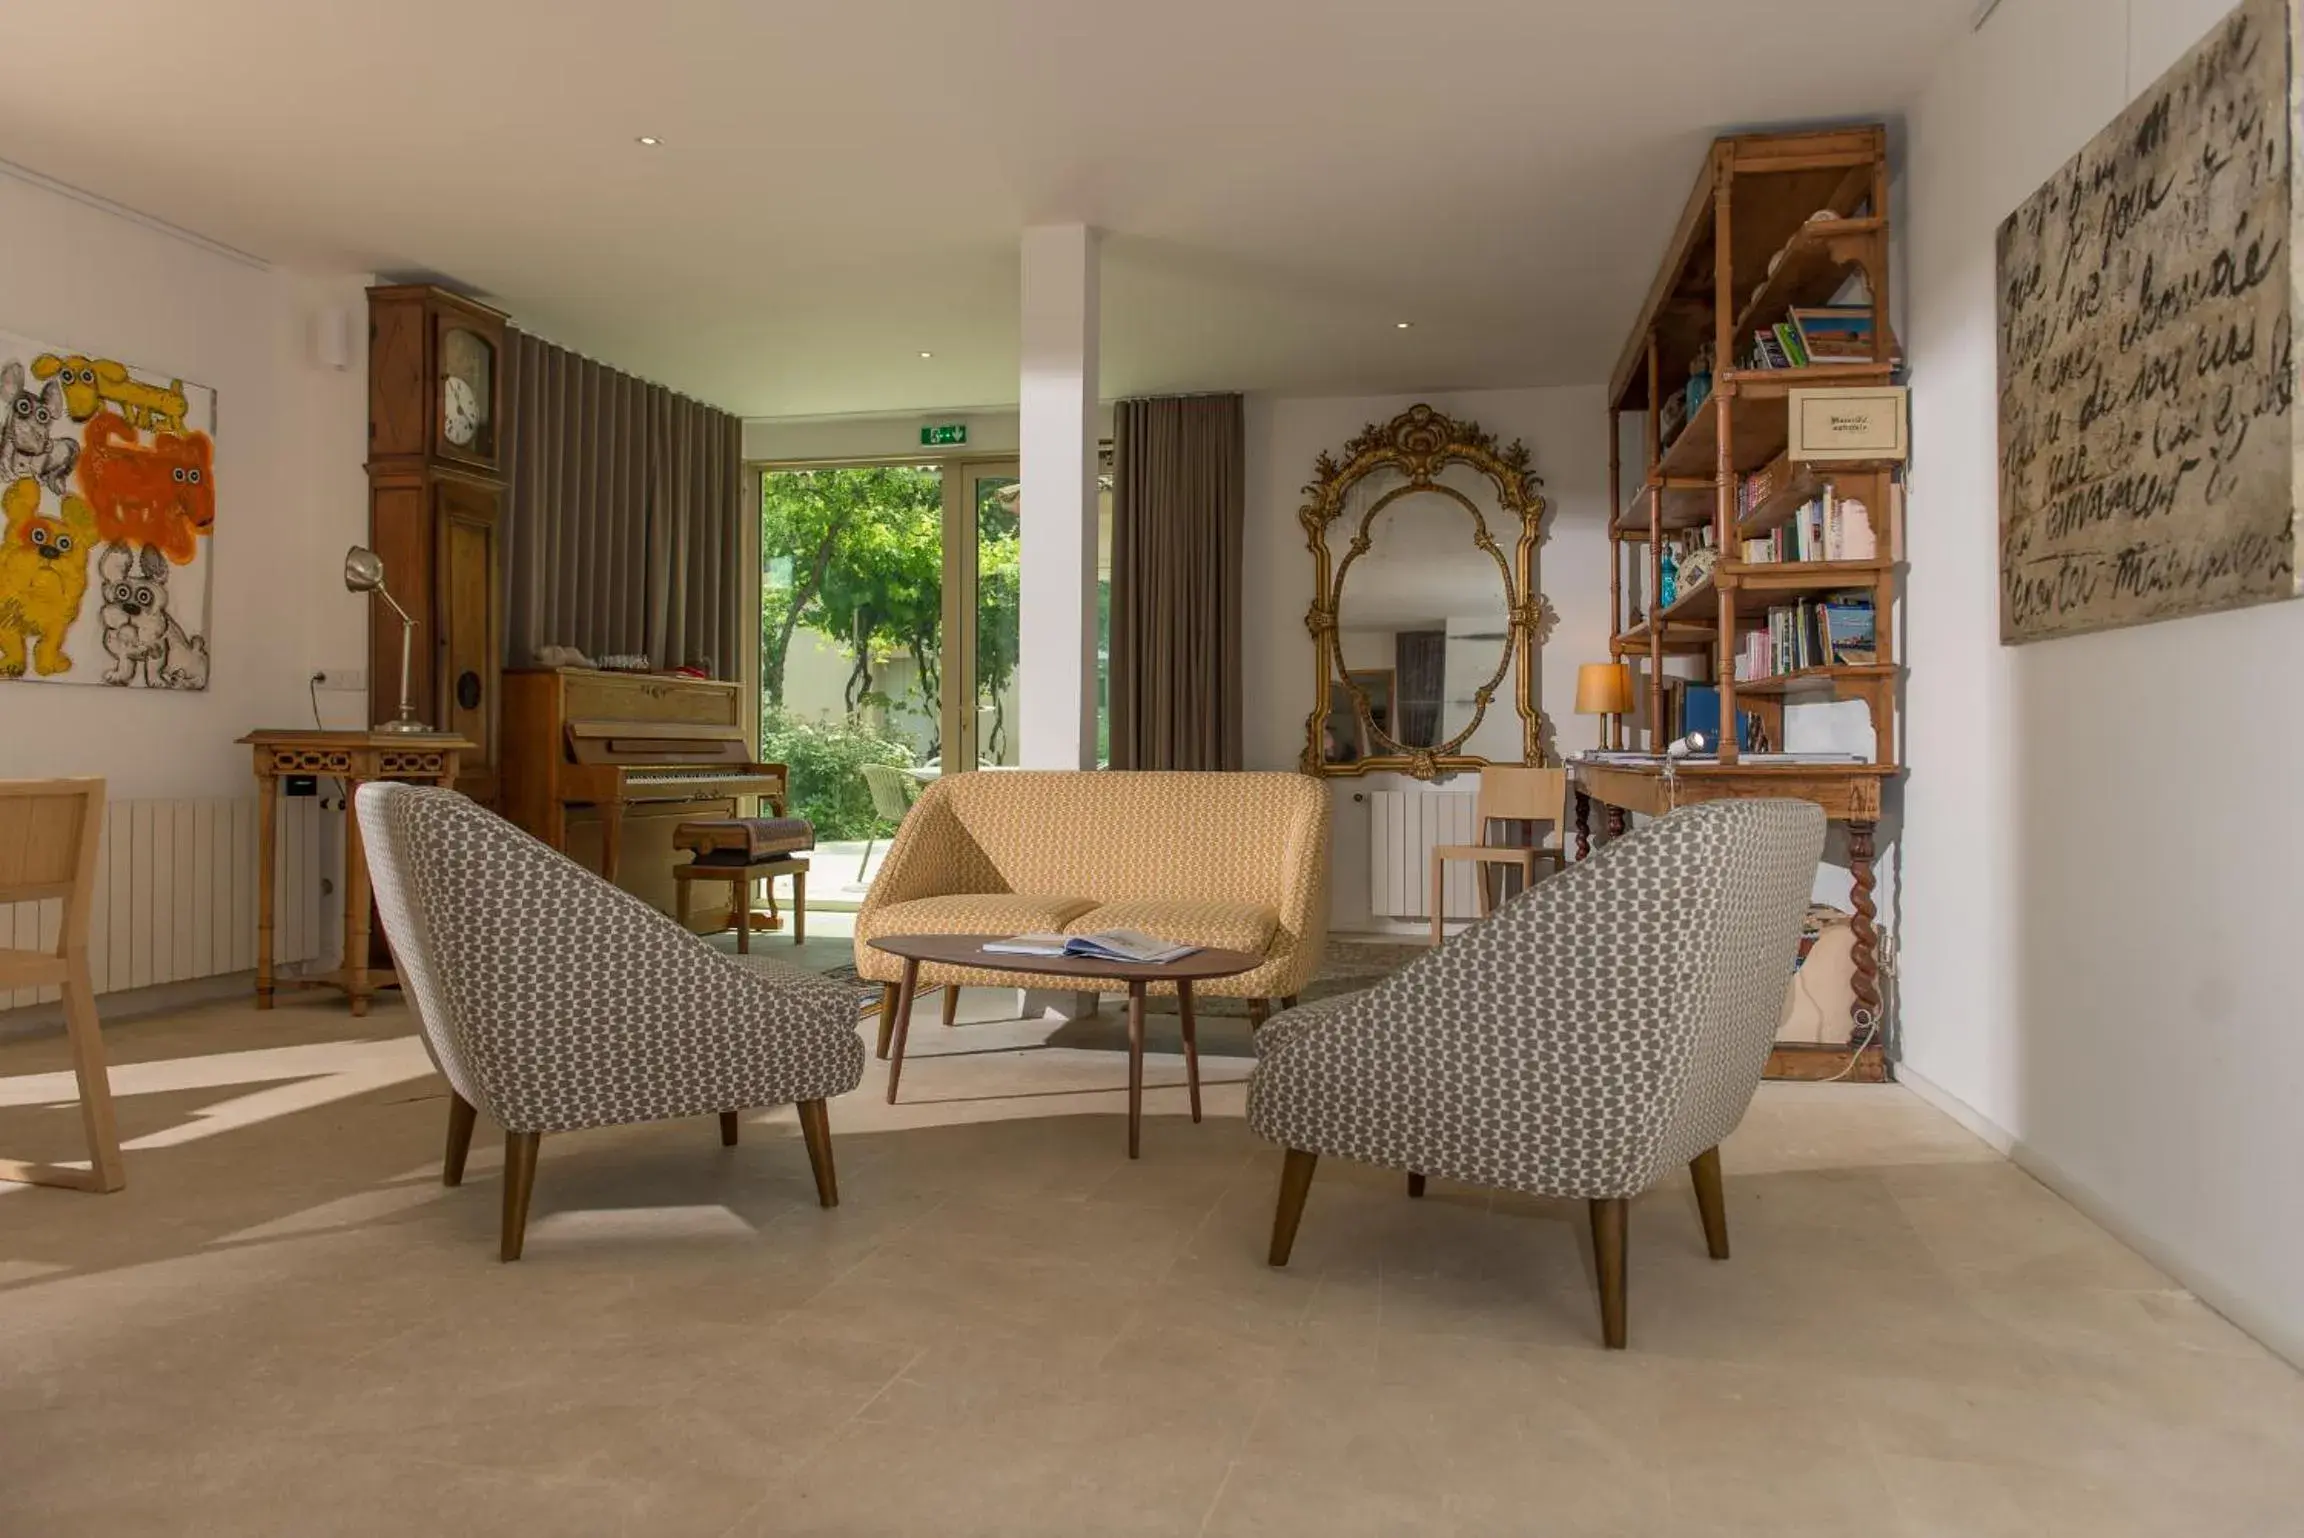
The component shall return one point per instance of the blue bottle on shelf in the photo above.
(1668, 583)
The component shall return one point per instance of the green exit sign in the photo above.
(943, 433)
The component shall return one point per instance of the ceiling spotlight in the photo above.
(1402, 325)
(927, 355)
(650, 140)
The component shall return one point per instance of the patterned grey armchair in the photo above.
(1602, 1028)
(553, 1001)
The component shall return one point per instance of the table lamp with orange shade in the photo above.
(1605, 689)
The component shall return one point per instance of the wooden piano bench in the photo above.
(740, 873)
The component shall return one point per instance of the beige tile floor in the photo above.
(286, 1326)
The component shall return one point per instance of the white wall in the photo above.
(2101, 901)
(291, 438)
(1566, 430)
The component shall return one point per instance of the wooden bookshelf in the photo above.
(1775, 222)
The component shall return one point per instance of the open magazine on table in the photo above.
(1132, 945)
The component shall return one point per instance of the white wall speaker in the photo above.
(332, 338)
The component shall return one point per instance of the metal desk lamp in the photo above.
(364, 573)
(1694, 745)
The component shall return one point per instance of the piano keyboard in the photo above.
(696, 784)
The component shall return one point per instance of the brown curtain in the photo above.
(626, 525)
(1179, 510)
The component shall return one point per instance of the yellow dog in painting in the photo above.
(90, 384)
(43, 577)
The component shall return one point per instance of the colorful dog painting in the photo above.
(91, 384)
(34, 430)
(162, 493)
(108, 491)
(43, 578)
(147, 644)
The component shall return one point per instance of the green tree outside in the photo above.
(856, 554)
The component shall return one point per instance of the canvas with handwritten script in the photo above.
(2148, 441)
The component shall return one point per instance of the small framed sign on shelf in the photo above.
(1866, 422)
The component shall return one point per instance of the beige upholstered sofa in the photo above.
(1232, 860)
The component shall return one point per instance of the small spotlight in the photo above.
(650, 140)
(927, 355)
(1402, 325)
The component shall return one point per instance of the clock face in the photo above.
(467, 393)
(459, 412)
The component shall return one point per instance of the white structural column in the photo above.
(1056, 674)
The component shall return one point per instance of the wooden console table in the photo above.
(354, 758)
(1848, 794)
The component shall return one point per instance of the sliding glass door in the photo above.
(981, 613)
(888, 640)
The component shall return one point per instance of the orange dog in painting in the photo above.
(43, 577)
(161, 494)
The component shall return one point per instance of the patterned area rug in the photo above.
(1345, 967)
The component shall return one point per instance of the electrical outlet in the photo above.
(347, 680)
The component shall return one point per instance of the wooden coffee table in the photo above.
(968, 951)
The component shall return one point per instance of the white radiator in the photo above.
(176, 894)
(1403, 827)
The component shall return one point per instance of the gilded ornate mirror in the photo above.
(1423, 609)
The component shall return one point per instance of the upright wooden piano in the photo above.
(603, 766)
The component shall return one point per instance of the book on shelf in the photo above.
(1823, 528)
(1759, 485)
(1834, 333)
(1837, 630)
(1767, 352)
(1807, 337)
(1851, 635)
(1788, 342)
(1130, 945)
(1695, 707)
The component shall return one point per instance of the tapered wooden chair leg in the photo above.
(519, 1184)
(1288, 1002)
(730, 1121)
(85, 1029)
(816, 1129)
(461, 1116)
(1439, 884)
(1258, 1010)
(887, 1017)
(1711, 1204)
(1295, 1185)
(1609, 1243)
(951, 1006)
(1415, 1184)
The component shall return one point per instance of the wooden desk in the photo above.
(1848, 794)
(354, 758)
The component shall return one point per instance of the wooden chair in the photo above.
(1515, 796)
(48, 831)
(893, 791)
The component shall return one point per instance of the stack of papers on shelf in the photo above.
(1132, 945)
(1817, 757)
(1641, 760)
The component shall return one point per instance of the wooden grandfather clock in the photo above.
(437, 440)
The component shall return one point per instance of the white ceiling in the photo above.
(840, 185)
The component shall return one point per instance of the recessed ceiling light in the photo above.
(1402, 325)
(927, 355)
(650, 140)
